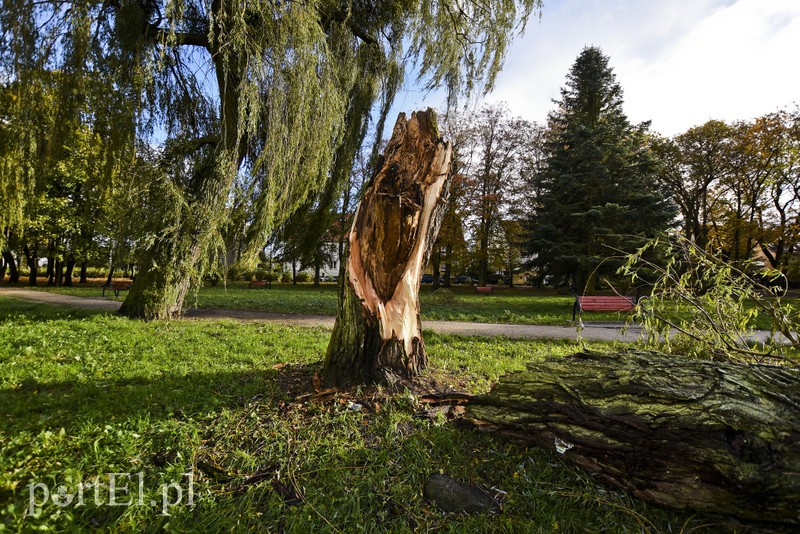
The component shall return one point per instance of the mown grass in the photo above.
(84, 394)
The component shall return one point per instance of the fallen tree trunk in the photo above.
(377, 336)
(710, 436)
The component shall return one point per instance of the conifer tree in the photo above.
(598, 188)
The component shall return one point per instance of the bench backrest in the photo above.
(605, 302)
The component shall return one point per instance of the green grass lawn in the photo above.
(460, 303)
(85, 394)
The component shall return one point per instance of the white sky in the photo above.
(680, 62)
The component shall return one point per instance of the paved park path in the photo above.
(591, 332)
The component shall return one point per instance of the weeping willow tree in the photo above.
(270, 97)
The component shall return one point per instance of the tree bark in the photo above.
(59, 272)
(160, 289)
(50, 273)
(448, 267)
(377, 336)
(711, 436)
(70, 269)
(84, 272)
(436, 261)
(33, 265)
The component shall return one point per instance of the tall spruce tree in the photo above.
(598, 188)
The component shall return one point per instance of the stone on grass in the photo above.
(452, 496)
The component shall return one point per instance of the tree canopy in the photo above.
(272, 97)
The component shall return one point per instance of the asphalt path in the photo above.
(592, 331)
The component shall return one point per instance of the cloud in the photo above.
(680, 62)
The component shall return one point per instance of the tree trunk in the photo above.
(84, 272)
(436, 261)
(50, 273)
(483, 262)
(110, 276)
(3, 268)
(448, 267)
(168, 267)
(59, 273)
(13, 271)
(33, 264)
(160, 290)
(70, 268)
(377, 336)
(294, 272)
(317, 273)
(715, 437)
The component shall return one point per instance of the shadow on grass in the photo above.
(165, 397)
(13, 309)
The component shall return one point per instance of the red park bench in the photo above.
(601, 303)
(486, 290)
(116, 287)
(259, 283)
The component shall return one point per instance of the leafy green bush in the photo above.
(237, 272)
(286, 277)
(304, 277)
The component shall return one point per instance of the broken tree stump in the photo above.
(377, 336)
(717, 437)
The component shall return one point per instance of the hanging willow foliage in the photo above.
(273, 97)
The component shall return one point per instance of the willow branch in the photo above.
(157, 34)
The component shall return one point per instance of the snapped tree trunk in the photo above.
(377, 336)
(711, 436)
